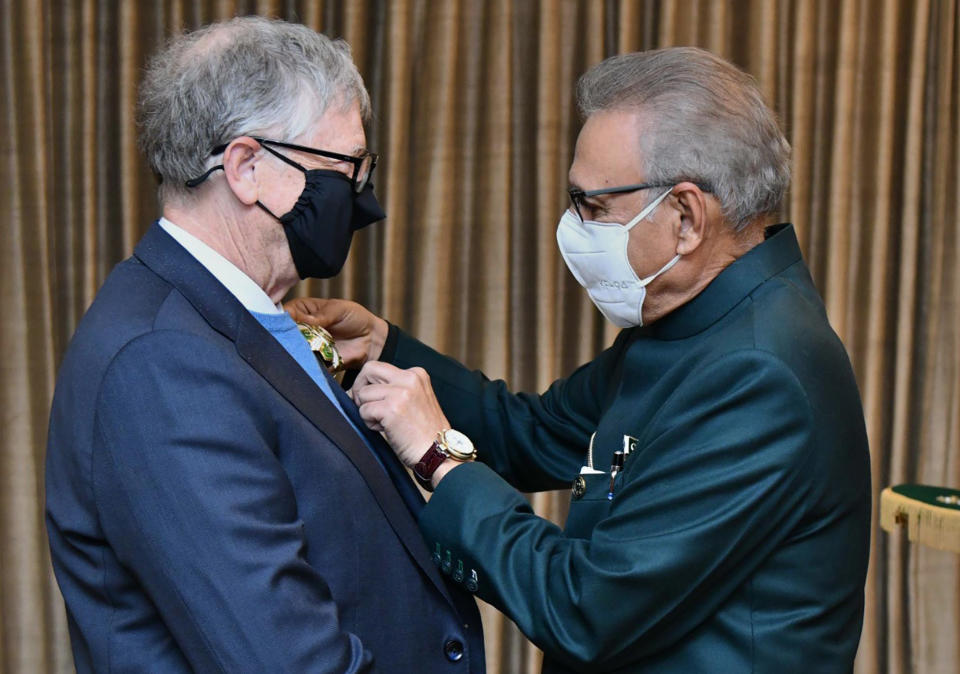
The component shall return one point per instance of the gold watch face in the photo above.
(457, 445)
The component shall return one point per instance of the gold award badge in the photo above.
(324, 348)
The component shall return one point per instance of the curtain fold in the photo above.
(475, 122)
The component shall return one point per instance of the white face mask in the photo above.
(596, 253)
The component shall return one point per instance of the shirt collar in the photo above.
(241, 286)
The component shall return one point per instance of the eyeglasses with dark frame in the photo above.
(578, 196)
(363, 164)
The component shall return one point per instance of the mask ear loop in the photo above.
(281, 157)
(648, 210)
(644, 282)
(193, 182)
(269, 212)
(289, 161)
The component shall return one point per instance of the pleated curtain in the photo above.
(475, 122)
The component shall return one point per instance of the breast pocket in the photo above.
(589, 504)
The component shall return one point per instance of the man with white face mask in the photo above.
(716, 453)
(597, 255)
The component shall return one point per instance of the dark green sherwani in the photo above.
(737, 536)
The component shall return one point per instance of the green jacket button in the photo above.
(447, 565)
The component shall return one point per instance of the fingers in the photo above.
(318, 311)
(371, 393)
(400, 404)
(299, 309)
(420, 374)
(377, 372)
(376, 394)
(360, 335)
(372, 414)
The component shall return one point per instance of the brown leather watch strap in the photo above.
(428, 465)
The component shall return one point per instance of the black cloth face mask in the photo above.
(320, 226)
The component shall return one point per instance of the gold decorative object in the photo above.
(324, 347)
(930, 514)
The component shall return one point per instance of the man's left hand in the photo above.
(401, 405)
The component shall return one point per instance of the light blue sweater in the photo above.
(285, 330)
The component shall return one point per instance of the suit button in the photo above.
(453, 649)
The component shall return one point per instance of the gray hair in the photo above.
(704, 121)
(246, 76)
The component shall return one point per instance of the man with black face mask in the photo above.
(214, 501)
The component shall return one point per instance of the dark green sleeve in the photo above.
(535, 442)
(717, 481)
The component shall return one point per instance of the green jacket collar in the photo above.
(731, 286)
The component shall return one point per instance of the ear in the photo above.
(691, 228)
(239, 164)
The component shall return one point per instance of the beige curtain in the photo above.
(475, 122)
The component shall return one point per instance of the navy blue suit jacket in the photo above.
(209, 509)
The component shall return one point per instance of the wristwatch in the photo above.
(449, 444)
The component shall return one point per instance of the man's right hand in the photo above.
(360, 335)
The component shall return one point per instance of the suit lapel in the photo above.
(398, 473)
(158, 251)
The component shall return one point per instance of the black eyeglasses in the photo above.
(578, 196)
(363, 164)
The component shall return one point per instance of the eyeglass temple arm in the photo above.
(577, 192)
